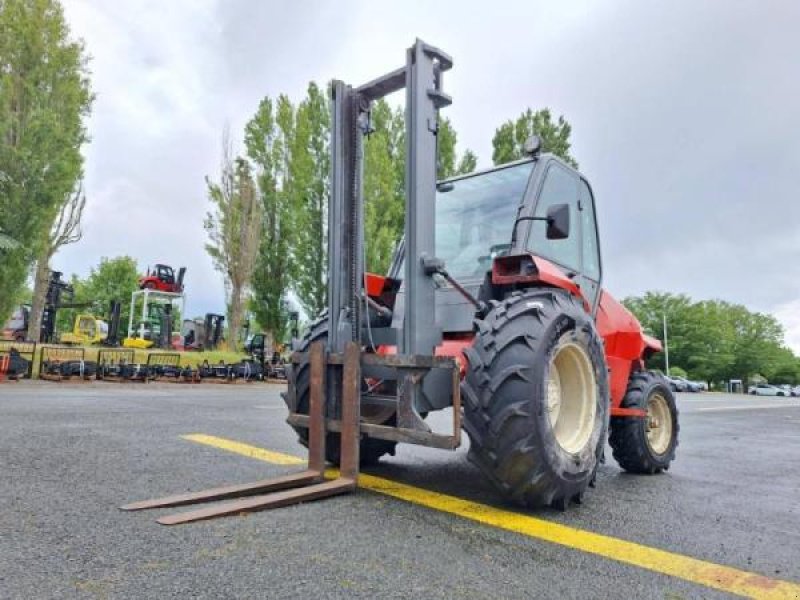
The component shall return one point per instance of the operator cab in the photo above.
(164, 273)
(539, 205)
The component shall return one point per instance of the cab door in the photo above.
(559, 186)
(579, 253)
(591, 267)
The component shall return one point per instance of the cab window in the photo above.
(591, 249)
(560, 187)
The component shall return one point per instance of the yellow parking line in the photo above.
(247, 450)
(720, 577)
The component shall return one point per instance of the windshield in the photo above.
(474, 219)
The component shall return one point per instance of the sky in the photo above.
(684, 114)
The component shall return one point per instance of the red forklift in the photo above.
(162, 278)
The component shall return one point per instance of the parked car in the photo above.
(765, 389)
(796, 390)
(681, 384)
(676, 383)
(691, 386)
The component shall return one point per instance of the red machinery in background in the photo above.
(162, 278)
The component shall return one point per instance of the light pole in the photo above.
(666, 343)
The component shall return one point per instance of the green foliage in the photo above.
(446, 149)
(309, 191)
(715, 340)
(510, 137)
(677, 372)
(268, 138)
(44, 98)
(449, 164)
(384, 177)
(112, 279)
(468, 162)
(233, 230)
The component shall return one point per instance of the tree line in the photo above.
(714, 340)
(281, 184)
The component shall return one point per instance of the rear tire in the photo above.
(646, 445)
(297, 375)
(514, 403)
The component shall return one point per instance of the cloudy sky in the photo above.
(685, 119)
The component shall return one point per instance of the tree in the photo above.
(233, 230)
(710, 350)
(268, 137)
(384, 177)
(677, 371)
(449, 164)
(715, 340)
(309, 190)
(446, 139)
(784, 368)
(112, 279)
(65, 230)
(468, 162)
(288, 148)
(651, 309)
(44, 99)
(758, 339)
(509, 138)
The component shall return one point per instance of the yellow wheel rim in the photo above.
(659, 423)
(571, 397)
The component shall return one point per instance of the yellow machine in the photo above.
(139, 343)
(86, 330)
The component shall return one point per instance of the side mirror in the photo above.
(558, 222)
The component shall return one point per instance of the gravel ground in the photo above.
(70, 454)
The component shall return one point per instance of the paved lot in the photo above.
(70, 454)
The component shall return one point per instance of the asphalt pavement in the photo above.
(70, 454)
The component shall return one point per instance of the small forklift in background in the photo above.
(162, 278)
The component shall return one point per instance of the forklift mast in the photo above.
(347, 304)
(422, 79)
(114, 314)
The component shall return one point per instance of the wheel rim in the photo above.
(571, 396)
(659, 423)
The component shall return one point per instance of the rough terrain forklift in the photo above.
(494, 296)
(162, 278)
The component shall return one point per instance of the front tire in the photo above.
(646, 445)
(298, 375)
(536, 398)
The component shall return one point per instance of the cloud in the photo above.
(684, 120)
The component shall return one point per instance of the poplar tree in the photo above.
(309, 187)
(44, 99)
(233, 227)
(268, 139)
